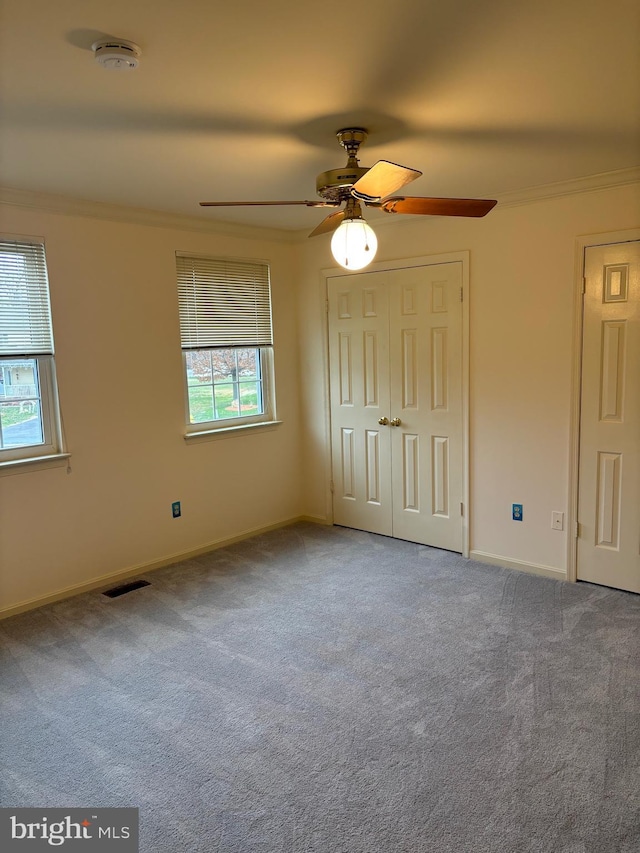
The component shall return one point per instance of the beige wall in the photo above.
(522, 285)
(115, 316)
(115, 320)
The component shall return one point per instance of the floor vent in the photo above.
(127, 587)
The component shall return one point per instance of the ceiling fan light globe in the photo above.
(354, 244)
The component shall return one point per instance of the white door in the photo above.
(360, 399)
(609, 474)
(396, 402)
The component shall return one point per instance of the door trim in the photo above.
(384, 266)
(582, 244)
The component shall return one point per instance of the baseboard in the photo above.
(518, 565)
(144, 568)
(316, 519)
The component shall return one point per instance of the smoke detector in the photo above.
(116, 53)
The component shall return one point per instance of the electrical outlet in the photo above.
(516, 512)
(557, 520)
(175, 509)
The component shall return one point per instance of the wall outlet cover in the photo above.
(516, 512)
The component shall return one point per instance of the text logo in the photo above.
(105, 830)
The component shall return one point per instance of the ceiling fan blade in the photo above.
(329, 223)
(262, 203)
(437, 206)
(381, 179)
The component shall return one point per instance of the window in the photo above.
(29, 420)
(227, 343)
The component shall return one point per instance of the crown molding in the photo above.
(143, 216)
(574, 186)
(136, 215)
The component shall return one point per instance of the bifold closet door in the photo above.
(425, 314)
(396, 402)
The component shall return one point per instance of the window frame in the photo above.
(268, 416)
(52, 446)
(45, 368)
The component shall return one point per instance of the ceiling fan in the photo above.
(354, 242)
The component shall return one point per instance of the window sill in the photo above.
(229, 432)
(33, 463)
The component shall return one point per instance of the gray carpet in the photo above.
(322, 690)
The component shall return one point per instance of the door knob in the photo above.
(395, 421)
(383, 421)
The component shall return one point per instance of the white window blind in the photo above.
(25, 315)
(223, 303)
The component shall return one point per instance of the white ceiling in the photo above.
(241, 99)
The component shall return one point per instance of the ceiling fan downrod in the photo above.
(351, 138)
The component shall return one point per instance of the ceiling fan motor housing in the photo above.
(335, 185)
